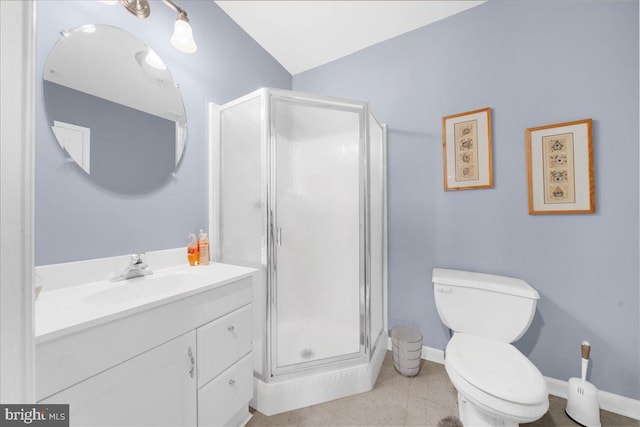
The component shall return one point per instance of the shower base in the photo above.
(286, 395)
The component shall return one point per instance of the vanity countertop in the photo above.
(68, 310)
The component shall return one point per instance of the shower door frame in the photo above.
(270, 96)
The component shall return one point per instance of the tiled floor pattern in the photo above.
(400, 401)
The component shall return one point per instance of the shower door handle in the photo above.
(272, 244)
(279, 236)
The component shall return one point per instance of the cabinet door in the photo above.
(156, 388)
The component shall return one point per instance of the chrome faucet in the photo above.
(136, 268)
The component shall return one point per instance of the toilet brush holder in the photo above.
(582, 396)
(582, 403)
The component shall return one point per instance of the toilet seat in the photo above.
(497, 377)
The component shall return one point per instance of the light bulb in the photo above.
(182, 38)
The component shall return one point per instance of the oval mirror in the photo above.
(114, 107)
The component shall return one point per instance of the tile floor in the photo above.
(400, 401)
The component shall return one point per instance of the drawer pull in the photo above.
(232, 383)
(193, 363)
(231, 328)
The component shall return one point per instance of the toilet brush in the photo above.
(585, 349)
(582, 396)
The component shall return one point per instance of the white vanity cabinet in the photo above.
(183, 362)
(152, 389)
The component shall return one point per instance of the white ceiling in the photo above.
(305, 34)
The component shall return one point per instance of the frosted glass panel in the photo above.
(317, 194)
(376, 203)
(241, 212)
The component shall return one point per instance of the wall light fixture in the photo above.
(182, 38)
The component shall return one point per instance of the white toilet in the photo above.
(497, 385)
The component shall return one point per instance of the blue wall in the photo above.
(533, 63)
(74, 218)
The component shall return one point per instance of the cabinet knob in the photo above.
(231, 328)
(232, 383)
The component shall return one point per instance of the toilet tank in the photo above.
(484, 304)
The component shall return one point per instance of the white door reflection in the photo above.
(76, 140)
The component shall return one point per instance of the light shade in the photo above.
(182, 38)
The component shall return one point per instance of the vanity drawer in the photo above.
(222, 342)
(221, 399)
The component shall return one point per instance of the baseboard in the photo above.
(608, 401)
(428, 353)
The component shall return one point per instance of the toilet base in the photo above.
(471, 415)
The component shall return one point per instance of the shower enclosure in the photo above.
(300, 196)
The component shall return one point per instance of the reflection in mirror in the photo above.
(114, 107)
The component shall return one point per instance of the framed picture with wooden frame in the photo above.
(466, 150)
(560, 168)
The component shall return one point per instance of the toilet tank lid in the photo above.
(490, 282)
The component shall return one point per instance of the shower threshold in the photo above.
(272, 398)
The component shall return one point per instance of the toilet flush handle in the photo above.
(444, 289)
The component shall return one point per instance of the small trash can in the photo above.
(407, 349)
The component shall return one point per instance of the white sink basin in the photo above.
(69, 309)
(146, 287)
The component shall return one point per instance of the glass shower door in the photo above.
(317, 160)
